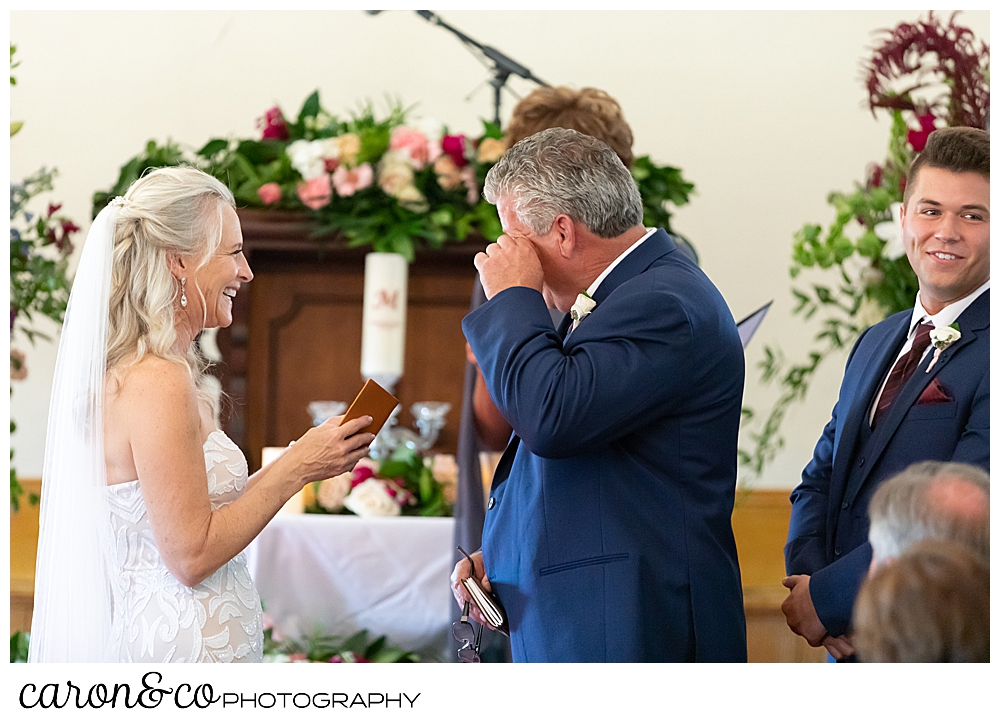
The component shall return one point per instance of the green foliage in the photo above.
(318, 647)
(409, 467)
(16, 490)
(154, 156)
(40, 245)
(39, 250)
(19, 647)
(15, 126)
(660, 187)
(866, 279)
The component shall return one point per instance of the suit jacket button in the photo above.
(845, 505)
(862, 462)
(837, 551)
(492, 504)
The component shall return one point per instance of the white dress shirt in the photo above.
(592, 289)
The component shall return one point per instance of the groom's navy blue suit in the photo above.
(608, 532)
(828, 533)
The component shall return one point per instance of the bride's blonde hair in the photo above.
(168, 212)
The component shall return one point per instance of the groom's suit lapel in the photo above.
(973, 319)
(875, 371)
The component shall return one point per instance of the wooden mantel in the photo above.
(296, 331)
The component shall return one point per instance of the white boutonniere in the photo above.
(581, 308)
(942, 337)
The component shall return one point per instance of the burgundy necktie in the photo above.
(902, 371)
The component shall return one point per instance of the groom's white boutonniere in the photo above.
(942, 337)
(582, 308)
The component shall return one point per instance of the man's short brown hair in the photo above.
(959, 150)
(589, 111)
(931, 605)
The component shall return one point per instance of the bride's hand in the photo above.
(330, 449)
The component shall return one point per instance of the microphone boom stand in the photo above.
(503, 66)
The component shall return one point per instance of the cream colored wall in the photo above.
(762, 110)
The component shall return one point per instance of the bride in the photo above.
(146, 506)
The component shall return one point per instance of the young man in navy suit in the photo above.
(916, 387)
(608, 531)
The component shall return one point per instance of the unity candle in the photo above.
(383, 320)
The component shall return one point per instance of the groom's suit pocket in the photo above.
(585, 562)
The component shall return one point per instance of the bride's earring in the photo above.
(184, 298)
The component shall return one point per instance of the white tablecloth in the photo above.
(387, 575)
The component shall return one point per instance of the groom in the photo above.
(607, 534)
(916, 387)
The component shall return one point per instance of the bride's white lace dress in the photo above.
(156, 618)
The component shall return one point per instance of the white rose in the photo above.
(332, 492)
(581, 308)
(395, 173)
(431, 128)
(328, 147)
(870, 312)
(944, 336)
(891, 232)
(307, 158)
(370, 499)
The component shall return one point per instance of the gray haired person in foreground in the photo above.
(930, 501)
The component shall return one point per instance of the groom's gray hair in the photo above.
(561, 171)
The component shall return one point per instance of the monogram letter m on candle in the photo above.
(383, 320)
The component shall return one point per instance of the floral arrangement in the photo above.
(321, 648)
(394, 183)
(40, 246)
(927, 75)
(403, 484)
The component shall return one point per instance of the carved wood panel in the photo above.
(296, 333)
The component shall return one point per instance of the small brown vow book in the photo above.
(374, 401)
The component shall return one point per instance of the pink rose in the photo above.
(360, 474)
(315, 193)
(471, 185)
(346, 182)
(454, 146)
(273, 125)
(269, 193)
(414, 145)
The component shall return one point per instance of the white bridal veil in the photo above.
(72, 614)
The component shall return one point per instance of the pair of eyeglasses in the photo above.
(465, 633)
